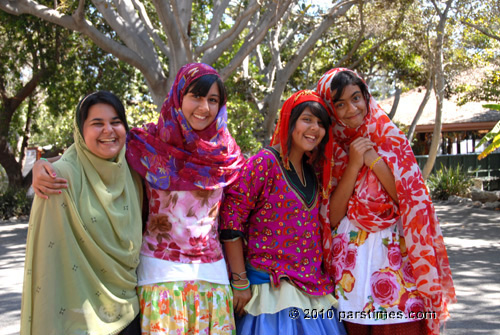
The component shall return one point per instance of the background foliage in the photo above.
(449, 181)
(390, 43)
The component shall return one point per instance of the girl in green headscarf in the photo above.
(83, 246)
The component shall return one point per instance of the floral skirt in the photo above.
(186, 307)
(374, 281)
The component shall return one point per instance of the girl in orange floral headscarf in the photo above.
(386, 252)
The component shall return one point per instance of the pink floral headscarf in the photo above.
(371, 209)
(171, 155)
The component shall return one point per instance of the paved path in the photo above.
(12, 244)
(472, 237)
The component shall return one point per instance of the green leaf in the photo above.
(489, 136)
(492, 147)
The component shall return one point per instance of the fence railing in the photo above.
(486, 169)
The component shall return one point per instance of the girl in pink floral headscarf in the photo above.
(387, 254)
(186, 158)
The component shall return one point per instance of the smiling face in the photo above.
(350, 108)
(201, 111)
(103, 131)
(307, 133)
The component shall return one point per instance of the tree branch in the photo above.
(151, 29)
(183, 31)
(282, 76)
(225, 40)
(145, 61)
(273, 14)
(219, 9)
(481, 29)
(178, 53)
(360, 39)
(123, 19)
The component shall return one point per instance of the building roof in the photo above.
(471, 116)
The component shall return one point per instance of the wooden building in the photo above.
(462, 126)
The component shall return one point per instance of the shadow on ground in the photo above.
(12, 250)
(472, 240)
(472, 237)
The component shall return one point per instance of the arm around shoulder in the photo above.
(45, 179)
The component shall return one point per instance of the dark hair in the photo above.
(345, 78)
(202, 85)
(321, 113)
(99, 97)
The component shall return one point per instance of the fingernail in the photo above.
(54, 174)
(60, 192)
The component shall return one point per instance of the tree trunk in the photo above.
(395, 104)
(428, 89)
(439, 89)
(7, 156)
(10, 165)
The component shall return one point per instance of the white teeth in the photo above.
(311, 137)
(108, 140)
(199, 117)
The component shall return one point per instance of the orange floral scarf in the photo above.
(371, 209)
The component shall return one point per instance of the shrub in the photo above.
(14, 202)
(449, 181)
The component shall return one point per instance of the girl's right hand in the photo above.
(357, 150)
(240, 300)
(45, 180)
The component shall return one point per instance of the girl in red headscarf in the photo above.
(387, 255)
(271, 230)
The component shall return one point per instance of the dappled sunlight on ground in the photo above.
(472, 237)
(12, 249)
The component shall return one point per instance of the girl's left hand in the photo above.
(357, 152)
(240, 300)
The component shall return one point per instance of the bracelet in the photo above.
(44, 159)
(238, 275)
(374, 162)
(241, 287)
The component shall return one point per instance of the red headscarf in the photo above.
(171, 155)
(371, 209)
(281, 134)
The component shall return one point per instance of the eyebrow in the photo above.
(355, 92)
(101, 119)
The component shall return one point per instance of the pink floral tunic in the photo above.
(282, 229)
(182, 226)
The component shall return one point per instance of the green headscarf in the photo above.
(83, 248)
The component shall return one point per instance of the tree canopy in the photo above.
(263, 49)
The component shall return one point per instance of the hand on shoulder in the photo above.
(45, 180)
